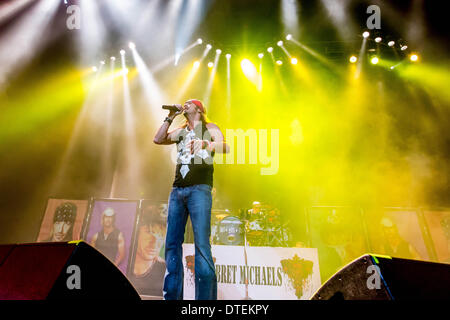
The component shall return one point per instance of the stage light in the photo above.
(94, 69)
(374, 60)
(196, 64)
(249, 70)
(124, 72)
(280, 43)
(132, 46)
(414, 57)
(391, 43)
(260, 55)
(199, 41)
(122, 52)
(279, 62)
(392, 68)
(294, 60)
(403, 48)
(210, 64)
(269, 49)
(289, 37)
(228, 56)
(218, 51)
(366, 34)
(113, 58)
(353, 59)
(378, 39)
(102, 62)
(208, 46)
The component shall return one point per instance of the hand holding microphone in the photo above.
(175, 109)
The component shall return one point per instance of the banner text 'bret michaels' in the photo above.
(263, 147)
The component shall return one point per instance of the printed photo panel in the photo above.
(62, 220)
(339, 235)
(398, 233)
(147, 267)
(110, 229)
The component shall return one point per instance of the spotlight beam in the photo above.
(211, 78)
(23, 39)
(153, 92)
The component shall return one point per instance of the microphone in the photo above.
(170, 107)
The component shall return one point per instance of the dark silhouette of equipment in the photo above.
(73, 270)
(375, 277)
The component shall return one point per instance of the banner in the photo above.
(63, 220)
(397, 233)
(110, 229)
(147, 266)
(258, 273)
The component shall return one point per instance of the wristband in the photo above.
(168, 120)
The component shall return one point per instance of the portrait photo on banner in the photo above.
(110, 229)
(397, 232)
(62, 220)
(147, 266)
(338, 234)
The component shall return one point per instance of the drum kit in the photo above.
(262, 227)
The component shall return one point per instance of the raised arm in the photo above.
(162, 136)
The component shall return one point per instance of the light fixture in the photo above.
(414, 57)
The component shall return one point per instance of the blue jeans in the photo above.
(196, 201)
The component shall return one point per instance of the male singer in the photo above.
(197, 141)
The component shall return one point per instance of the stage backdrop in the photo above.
(270, 273)
(47, 225)
(125, 213)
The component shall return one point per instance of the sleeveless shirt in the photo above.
(195, 168)
(108, 246)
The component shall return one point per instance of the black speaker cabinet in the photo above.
(376, 277)
(40, 271)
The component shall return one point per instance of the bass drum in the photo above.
(230, 231)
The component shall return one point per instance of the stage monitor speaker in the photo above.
(376, 277)
(40, 271)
